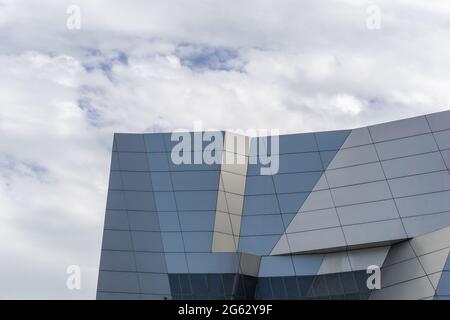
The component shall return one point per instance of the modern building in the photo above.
(335, 204)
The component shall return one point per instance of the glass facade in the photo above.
(337, 203)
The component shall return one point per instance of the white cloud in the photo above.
(142, 66)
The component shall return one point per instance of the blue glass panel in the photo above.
(226, 262)
(287, 218)
(300, 162)
(115, 161)
(194, 162)
(136, 181)
(206, 180)
(196, 200)
(254, 167)
(116, 220)
(261, 225)
(154, 283)
(165, 201)
(258, 245)
(168, 221)
(292, 143)
(327, 157)
(158, 161)
(176, 262)
(116, 240)
(197, 221)
(447, 264)
(198, 262)
(150, 262)
(264, 204)
(292, 202)
(331, 140)
(172, 241)
(197, 241)
(444, 284)
(276, 266)
(129, 142)
(161, 181)
(137, 200)
(116, 200)
(146, 241)
(259, 185)
(115, 181)
(133, 161)
(155, 142)
(143, 221)
(296, 182)
(307, 265)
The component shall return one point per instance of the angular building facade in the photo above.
(337, 204)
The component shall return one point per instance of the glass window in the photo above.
(331, 140)
(264, 290)
(129, 142)
(278, 289)
(197, 241)
(161, 181)
(147, 241)
(215, 285)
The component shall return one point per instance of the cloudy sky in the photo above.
(145, 66)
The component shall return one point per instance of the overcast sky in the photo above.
(145, 66)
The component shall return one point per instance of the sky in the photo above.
(149, 66)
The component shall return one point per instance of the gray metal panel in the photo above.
(424, 204)
(335, 262)
(361, 193)
(420, 184)
(446, 156)
(367, 212)
(374, 232)
(411, 290)
(320, 219)
(354, 156)
(435, 261)
(433, 241)
(401, 272)
(363, 258)
(357, 137)
(399, 129)
(406, 147)
(443, 139)
(419, 225)
(316, 240)
(423, 163)
(399, 252)
(318, 200)
(355, 175)
(439, 121)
